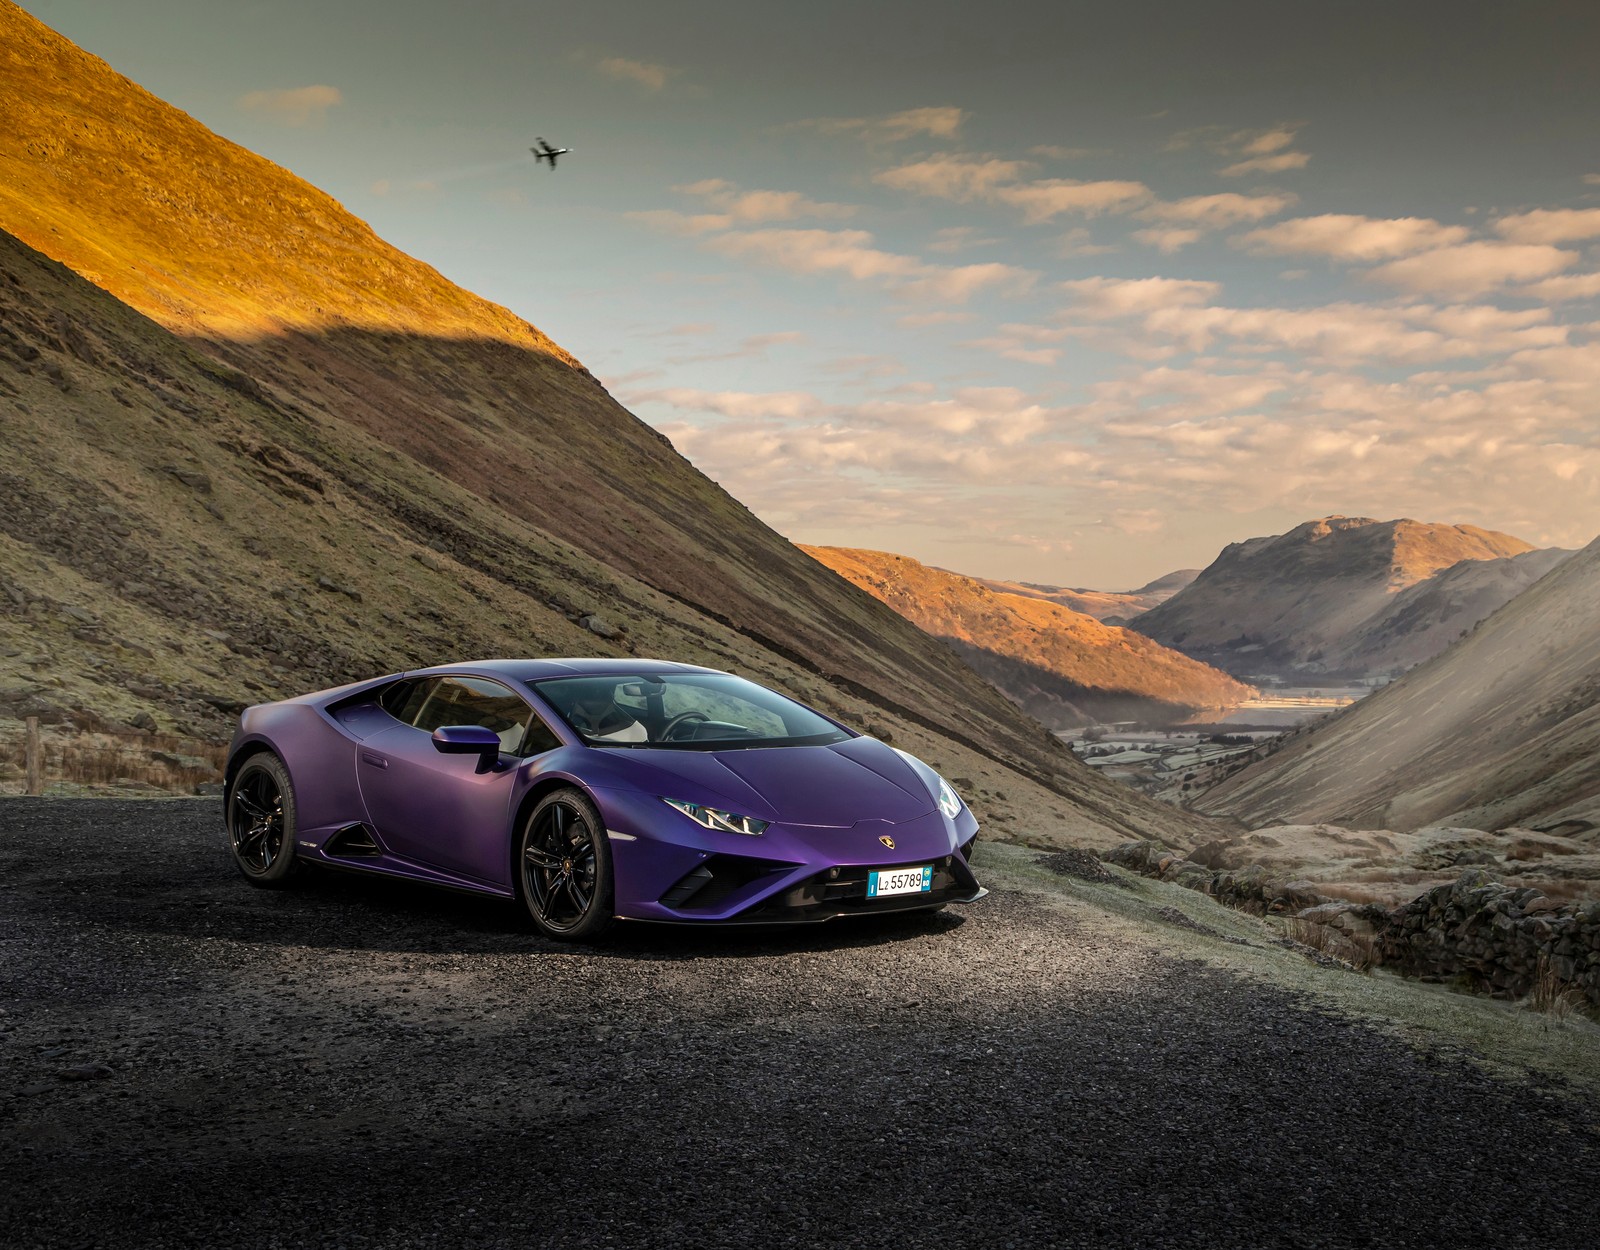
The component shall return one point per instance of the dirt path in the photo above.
(357, 1063)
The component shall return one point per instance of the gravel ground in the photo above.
(361, 1063)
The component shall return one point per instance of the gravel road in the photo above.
(361, 1063)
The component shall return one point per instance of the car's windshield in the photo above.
(684, 711)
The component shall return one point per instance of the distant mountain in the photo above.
(1425, 618)
(1501, 729)
(1064, 667)
(250, 449)
(1113, 606)
(1322, 599)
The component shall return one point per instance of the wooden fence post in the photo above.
(33, 755)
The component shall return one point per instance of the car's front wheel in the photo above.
(261, 822)
(564, 868)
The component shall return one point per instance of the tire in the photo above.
(260, 814)
(563, 868)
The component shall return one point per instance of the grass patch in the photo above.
(163, 762)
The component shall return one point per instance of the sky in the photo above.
(1069, 293)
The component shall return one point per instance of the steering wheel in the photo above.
(669, 731)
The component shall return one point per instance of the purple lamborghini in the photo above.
(595, 790)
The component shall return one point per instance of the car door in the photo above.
(436, 809)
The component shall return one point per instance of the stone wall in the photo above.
(1502, 939)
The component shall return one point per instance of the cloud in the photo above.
(1510, 445)
(1257, 151)
(1345, 236)
(1468, 269)
(960, 238)
(1053, 151)
(1279, 163)
(736, 208)
(752, 347)
(1550, 225)
(964, 179)
(1560, 289)
(296, 106)
(645, 74)
(1123, 297)
(959, 178)
(1044, 201)
(1351, 334)
(937, 123)
(1217, 212)
(1029, 344)
(851, 254)
(1167, 240)
(1079, 242)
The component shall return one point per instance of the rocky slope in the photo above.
(1425, 618)
(1321, 599)
(1502, 729)
(1064, 667)
(1112, 606)
(252, 450)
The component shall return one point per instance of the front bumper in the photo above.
(828, 895)
(669, 870)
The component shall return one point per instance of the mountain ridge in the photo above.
(1064, 667)
(1289, 604)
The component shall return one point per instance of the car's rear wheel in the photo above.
(564, 868)
(261, 822)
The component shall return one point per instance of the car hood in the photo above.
(835, 786)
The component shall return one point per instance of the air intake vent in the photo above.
(352, 842)
(681, 893)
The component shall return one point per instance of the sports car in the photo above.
(593, 790)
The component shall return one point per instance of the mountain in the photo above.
(1501, 729)
(1295, 604)
(1112, 606)
(251, 449)
(1064, 667)
(1423, 619)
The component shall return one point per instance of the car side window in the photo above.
(541, 738)
(478, 701)
(404, 699)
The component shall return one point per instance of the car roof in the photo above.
(537, 670)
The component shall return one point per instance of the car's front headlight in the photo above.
(715, 818)
(949, 800)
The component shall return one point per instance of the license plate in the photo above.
(900, 881)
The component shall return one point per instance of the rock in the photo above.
(1077, 863)
(85, 1072)
(144, 721)
(210, 789)
(1296, 896)
(173, 760)
(597, 624)
(192, 478)
(327, 583)
(224, 703)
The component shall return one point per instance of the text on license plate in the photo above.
(900, 881)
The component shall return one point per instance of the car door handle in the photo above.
(377, 761)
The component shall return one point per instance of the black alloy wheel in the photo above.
(564, 868)
(261, 822)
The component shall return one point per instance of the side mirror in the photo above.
(469, 740)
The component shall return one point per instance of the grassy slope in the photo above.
(1045, 656)
(358, 420)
